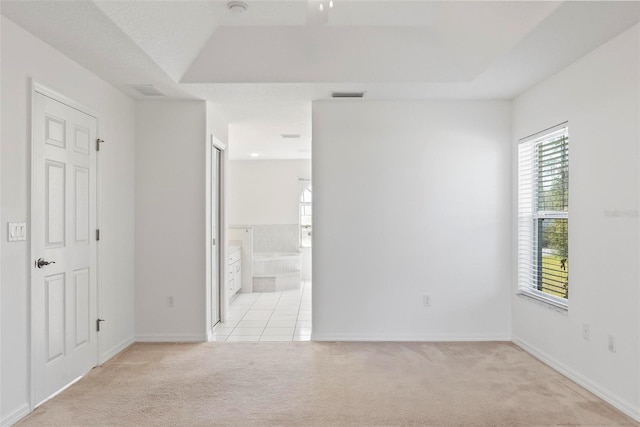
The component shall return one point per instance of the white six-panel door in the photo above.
(64, 293)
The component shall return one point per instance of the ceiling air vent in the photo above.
(347, 94)
(147, 90)
(290, 135)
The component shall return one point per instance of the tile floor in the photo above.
(268, 316)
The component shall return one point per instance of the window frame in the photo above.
(529, 238)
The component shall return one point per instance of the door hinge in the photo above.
(98, 142)
(98, 321)
(98, 235)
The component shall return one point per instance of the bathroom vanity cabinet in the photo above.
(234, 280)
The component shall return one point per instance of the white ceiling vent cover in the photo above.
(347, 94)
(290, 135)
(147, 90)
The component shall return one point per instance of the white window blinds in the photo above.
(543, 215)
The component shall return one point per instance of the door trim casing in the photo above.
(211, 144)
(216, 205)
(36, 88)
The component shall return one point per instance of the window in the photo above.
(305, 217)
(543, 215)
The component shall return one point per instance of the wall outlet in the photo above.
(586, 332)
(426, 300)
(170, 301)
(611, 343)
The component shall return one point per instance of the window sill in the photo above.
(557, 306)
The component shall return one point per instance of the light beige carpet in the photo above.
(326, 384)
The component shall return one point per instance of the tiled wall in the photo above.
(276, 238)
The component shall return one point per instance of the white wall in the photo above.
(598, 95)
(411, 198)
(25, 57)
(217, 124)
(170, 220)
(265, 191)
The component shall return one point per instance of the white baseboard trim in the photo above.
(579, 379)
(117, 349)
(407, 338)
(171, 338)
(15, 415)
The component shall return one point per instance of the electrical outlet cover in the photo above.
(426, 300)
(586, 332)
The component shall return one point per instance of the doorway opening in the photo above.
(269, 233)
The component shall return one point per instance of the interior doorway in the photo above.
(266, 288)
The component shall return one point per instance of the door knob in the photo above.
(41, 262)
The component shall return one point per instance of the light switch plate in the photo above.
(17, 231)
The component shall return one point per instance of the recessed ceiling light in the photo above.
(254, 154)
(237, 7)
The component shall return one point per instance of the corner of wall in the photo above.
(631, 409)
(117, 349)
(600, 88)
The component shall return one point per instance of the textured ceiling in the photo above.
(443, 42)
(172, 33)
(263, 12)
(273, 52)
(80, 30)
(287, 53)
(571, 31)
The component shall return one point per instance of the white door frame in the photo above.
(211, 144)
(39, 88)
